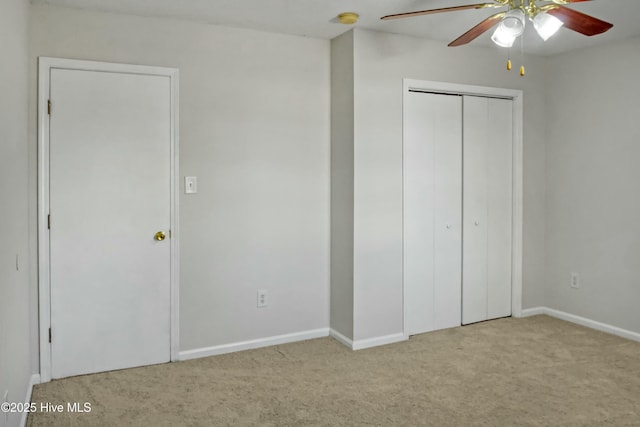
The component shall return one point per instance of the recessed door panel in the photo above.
(432, 215)
(499, 203)
(474, 253)
(447, 224)
(487, 200)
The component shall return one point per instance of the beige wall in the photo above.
(15, 367)
(254, 129)
(593, 183)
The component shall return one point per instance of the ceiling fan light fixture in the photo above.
(502, 38)
(513, 22)
(546, 25)
(547, 16)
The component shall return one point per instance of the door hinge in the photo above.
(49, 222)
(49, 106)
(49, 334)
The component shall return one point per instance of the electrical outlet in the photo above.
(262, 298)
(575, 281)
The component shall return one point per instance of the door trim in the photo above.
(45, 65)
(517, 158)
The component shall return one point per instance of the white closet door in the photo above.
(432, 211)
(487, 216)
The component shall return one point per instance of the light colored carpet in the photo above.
(508, 372)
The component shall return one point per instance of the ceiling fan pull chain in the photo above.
(509, 64)
(522, 56)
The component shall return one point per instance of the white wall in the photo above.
(15, 353)
(255, 117)
(342, 184)
(593, 183)
(254, 129)
(381, 62)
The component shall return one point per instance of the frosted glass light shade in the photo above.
(502, 38)
(546, 25)
(513, 22)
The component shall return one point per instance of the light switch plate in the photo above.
(190, 185)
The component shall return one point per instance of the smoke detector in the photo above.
(348, 18)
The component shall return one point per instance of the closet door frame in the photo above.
(412, 85)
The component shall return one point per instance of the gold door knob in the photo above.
(160, 236)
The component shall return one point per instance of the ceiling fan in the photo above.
(547, 17)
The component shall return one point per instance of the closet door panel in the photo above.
(448, 222)
(432, 137)
(487, 216)
(474, 252)
(418, 213)
(499, 203)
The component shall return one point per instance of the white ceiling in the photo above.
(317, 18)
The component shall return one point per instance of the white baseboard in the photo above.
(341, 338)
(251, 344)
(599, 326)
(527, 312)
(35, 379)
(376, 341)
(367, 343)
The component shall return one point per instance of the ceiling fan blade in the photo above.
(478, 30)
(444, 9)
(579, 22)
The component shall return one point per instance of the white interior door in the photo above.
(487, 214)
(109, 192)
(432, 211)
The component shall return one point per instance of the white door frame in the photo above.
(517, 199)
(45, 66)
